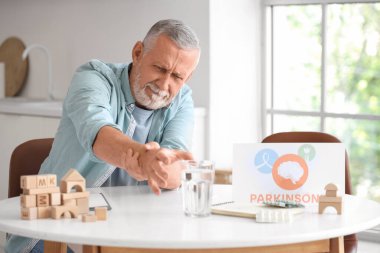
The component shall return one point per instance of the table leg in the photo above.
(337, 245)
(55, 247)
(91, 249)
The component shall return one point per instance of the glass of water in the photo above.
(197, 180)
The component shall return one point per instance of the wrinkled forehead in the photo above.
(167, 54)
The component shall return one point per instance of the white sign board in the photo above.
(286, 171)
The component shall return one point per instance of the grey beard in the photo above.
(158, 100)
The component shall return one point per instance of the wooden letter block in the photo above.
(41, 190)
(51, 180)
(44, 212)
(88, 218)
(55, 199)
(28, 213)
(43, 199)
(28, 200)
(101, 213)
(42, 181)
(83, 205)
(28, 182)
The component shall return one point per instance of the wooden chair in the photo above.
(350, 241)
(26, 159)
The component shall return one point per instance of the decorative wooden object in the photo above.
(330, 199)
(16, 68)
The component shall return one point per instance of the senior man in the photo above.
(124, 124)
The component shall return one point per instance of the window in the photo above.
(323, 74)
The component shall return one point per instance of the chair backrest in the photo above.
(26, 159)
(312, 137)
(350, 241)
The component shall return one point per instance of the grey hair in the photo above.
(176, 30)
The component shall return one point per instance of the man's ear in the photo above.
(137, 52)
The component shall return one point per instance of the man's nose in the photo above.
(164, 82)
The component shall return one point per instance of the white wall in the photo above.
(225, 83)
(234, 76)
(78, 30)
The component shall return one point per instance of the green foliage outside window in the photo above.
(352, 79)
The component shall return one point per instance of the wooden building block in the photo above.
(331, 187)
(51, 180)
(75, 195)
(88, 218)
(331, 193)
(69, 202)
(323, 205)
(67, 215)
(58, 211)
(28, 200)
(73, 175)
(55, 199)
(43, 200)
(41, 190)
(28, 213)
(42, 181)
(44, 212)
(67, 186)
(330, 199)
(83, 205)
(28, 182)
(101, 213)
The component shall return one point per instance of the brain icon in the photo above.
(291, 170)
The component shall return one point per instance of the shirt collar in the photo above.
(126, 86)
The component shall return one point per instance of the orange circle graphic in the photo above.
(286, 183)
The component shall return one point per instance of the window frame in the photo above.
(267, 77)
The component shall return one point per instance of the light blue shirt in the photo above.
(100, 95)
(143, 121)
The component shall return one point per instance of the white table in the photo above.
(142, 221)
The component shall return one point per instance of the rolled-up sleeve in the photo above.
(178, 131)
(88, 106)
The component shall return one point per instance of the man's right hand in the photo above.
(155, 163)
(130, 160)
